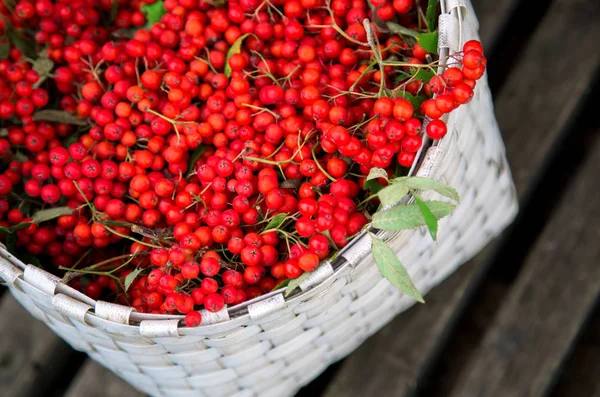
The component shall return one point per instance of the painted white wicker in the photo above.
(272, 346)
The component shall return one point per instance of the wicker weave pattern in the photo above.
(272, 349)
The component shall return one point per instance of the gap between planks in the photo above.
(534, 123)
(583, 369)
(545, 200)
(31, 355)
(540, 318)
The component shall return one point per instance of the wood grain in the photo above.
(582, 374)
(534, 109)
(549, 85)
(542, 315)
(93, 380)
(31, 355)
(493, 16)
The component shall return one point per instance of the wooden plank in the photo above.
(93, 380)
(542, 96)
(31, 356)
(533, 124)
(554, 295)
(453, 358)
(493, 16)
(583, 370)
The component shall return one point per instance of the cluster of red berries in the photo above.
(230, 143)
(19, 95)
(388, 10)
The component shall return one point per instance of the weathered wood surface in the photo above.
(31, 356)
(535, 108)
(465, 339)
(582, 374)
(549, 84)
(93, 380)
(493, 16)
(554, 295)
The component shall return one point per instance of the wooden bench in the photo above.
(520, 319)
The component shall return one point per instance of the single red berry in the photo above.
(193, 319)
(436, 129)
(473, 59)
(462, 93)
(412, 143)
(190, 270)
(214, 302)
(406, 159)
(308, 262)
(473, 45)
(403, 110)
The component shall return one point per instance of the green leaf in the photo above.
(153, 234)
(5, 230)
(404, 217)
(50, 213)
(196, 154)
(420, 183)
(291, 184)
(154, 12)
(21, 157)
(393, 193)
(29, 259)
(110, 222)
(235, 48)
(422, 74)
(429, 41)
(373, 185)
(376, 173)
(276, 221)
(400, 171)
(4, 50)
(26, 208)
(71, 139)
(131, 277)
(391, 268)
(11, 243)
(282, 284)
(23, 45)
(124, 33)
(43, 66)
(57, 116)
(431, 15)
(401, 30)
(430, 219)
(295, 283)
(114, 10)
(20, 226)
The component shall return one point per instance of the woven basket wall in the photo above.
(272, 346)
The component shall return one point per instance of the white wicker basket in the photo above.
(271, 346)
